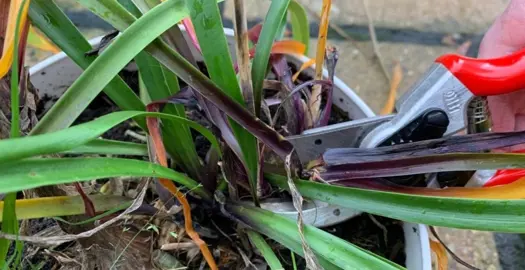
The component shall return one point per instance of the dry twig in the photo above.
(373, 38)
(382, 227)
(243, 52)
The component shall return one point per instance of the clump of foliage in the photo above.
(228, 106)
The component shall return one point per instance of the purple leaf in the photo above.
(421, 165)
(456, 144)
(294, 111)
(298, 89)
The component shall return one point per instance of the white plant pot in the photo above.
(55, 74)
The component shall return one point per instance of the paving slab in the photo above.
(445, 15)
(474, 247)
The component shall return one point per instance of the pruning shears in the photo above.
(434, 107)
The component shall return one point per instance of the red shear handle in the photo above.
(488, 77)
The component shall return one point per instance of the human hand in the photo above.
(505, 36)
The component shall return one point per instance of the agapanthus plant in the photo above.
(241, 113)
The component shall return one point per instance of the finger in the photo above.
(504, 36)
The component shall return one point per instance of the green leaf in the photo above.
(265, 250)
(472, 214)
(76, 136)
(282, 27)
(110, 147)
(112, 11)
(160, 84)
(332, 252)
(300, 25)
(69, 39)
(269, 31)
(201, 83)
(294, 264)
(64, 205)
(115, 57)
(33, 173)
(130, 6)
(143, 92)
(10, 224)
(206, 18)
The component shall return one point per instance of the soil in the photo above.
(361, 230)
(365, 233)
(102, 105)
(32, 255)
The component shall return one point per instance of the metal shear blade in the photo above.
(313, 142)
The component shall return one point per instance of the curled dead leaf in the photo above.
(397, 76)
(441, 254)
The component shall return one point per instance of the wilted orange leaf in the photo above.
(315, 102)
(397, 76)
(441, 254)
(284, 47)
(7, 53)
(160, 151)
(288, 47)
(304, 66)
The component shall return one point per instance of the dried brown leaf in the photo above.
(297, 199)
(397, 77)
(315, 102)
(243, 53)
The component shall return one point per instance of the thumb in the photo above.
(506, 35)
